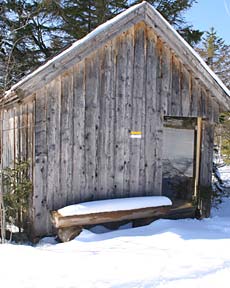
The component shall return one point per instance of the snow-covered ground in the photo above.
(165, 254)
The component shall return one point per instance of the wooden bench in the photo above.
(70, 220)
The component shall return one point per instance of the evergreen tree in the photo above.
(216, 54)
(28, 36)
(223, 137)
(81, 17)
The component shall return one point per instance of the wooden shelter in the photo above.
(129, 110)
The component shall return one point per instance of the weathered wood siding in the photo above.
(206, 167)
(83, 118)
(17, 134)
(76, 130)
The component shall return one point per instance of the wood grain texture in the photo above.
(176, 102)
(66, 137)
(206, 168)
(129, 86)
(157, 180)
(5, 126)
(151, 114)
(54, 194)
(40, 220)
(91, 126)
(105, 217)
(185, 91)
(119, 129)
(137, 106)
(79, 177)
(110, 108)
(166, 71)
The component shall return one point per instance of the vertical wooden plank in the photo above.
(119, 117)
(15, 134)
(30, 136)
(55, 199)
(206, 153)
(18, 131)
(215, 111)
(7, 131)
(196, 109)
(169, 100)
(110, 103)
(1, 135)
(194, 97)
(9, 163)
(137, 106)
(3, 138)
(6, 139)
(204, 103)
(104, 103)
(198, 155)
(91, 125)
(166, 71)
(66, 131)
(40, 215)
(176, 93)
(23, 132)
(11, 138)
(199, 111)
(185, 92)
(142, 170)
(24, 148)
(159, 127)
(151, 117)
(79, 171)
(129, 58)
(206, 167)
(209, 109)
(31, 157)
(97, 115)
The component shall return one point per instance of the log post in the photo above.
(68, 233)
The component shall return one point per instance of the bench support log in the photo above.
(68, 233)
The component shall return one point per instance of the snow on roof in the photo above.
(110, 205)
(102, 28)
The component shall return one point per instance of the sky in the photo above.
(211, 13)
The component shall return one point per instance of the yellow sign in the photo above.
(135, 134)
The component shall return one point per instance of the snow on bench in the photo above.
(70, 219)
